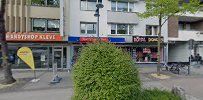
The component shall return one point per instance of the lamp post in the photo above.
(99, 6)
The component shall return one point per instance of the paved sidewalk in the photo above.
(191, 83)
(41, 90)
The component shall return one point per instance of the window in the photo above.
(131, 29)
(45, 3)
(88, 5)
(122, 6)
(151, 29)
(113, 29)
(53, 25)
(39, 25)
(45, 25)
(122, 29)
(88, 28)
(113, 6)
(148, 30)
(185, 26)
(53, 3)
(131, 7)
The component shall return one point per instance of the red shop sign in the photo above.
(33, 37)
(93, 39)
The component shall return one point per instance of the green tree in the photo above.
(163, 10)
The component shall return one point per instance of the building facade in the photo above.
(181, 30)
(55, 30)
(36, 25)
(119, 24)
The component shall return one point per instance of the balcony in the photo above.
(122, 17)
(185, 35)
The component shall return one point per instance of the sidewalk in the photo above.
(41, 90)
(191, 83)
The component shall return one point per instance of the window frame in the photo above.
(45, 4)
(128, 29)
(153, 33)
(86, 6)
(46, 25)
(128, 7)
(86, 29)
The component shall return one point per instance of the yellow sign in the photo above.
(26, 55)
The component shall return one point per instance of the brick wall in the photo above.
(173, 27)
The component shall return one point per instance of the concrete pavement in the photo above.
(43, 90)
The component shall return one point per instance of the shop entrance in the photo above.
(59, 57)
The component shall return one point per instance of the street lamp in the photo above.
(99, 6)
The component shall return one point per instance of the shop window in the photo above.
(122, 29)
(45, 25)
(142, 54)
(88, 5)
(122, 6)
(88, 28)
(151, 29)
(54, 3)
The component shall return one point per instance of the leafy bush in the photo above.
(104, 72)
(156, 94)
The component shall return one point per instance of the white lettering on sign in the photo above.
(33, 37)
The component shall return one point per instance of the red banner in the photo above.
(93, 39)
(33, 37)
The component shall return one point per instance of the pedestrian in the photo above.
(198, 58)
(191, 58)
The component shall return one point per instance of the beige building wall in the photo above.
(20, 12)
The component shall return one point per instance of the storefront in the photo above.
(143, 49)
(46, 48)
(79, 42)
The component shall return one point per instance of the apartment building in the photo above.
(119, 24)
(181, 30)
(36, 25)
(55, 30)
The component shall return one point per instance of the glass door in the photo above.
(57, 57)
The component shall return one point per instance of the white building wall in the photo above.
(77, 16)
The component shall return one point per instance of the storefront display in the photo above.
(142, 54)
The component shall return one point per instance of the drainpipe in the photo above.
(62, 17)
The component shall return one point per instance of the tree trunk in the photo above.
(8, 78)
(159, 46)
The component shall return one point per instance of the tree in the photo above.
(163, 10)
(8, 78)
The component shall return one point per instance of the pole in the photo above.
(35, 76)
(98, 25)
(190, 62)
